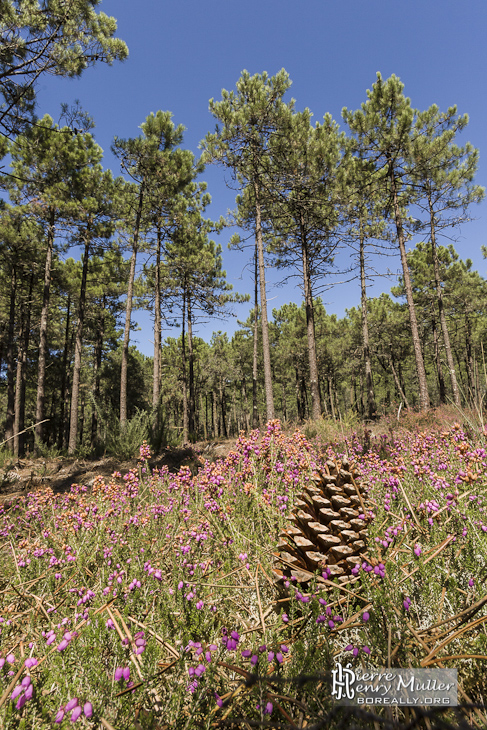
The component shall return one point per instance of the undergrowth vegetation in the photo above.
(150, 601)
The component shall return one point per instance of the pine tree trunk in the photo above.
(156, 373)
(128, 312)
(441, 307)
(78, 346)
(214, 415)
(424, 400)
(269, 397)
(185, 382)
(9, 421)
(398, 383)
(222, 409)
(310, 327)
(330, 394)
(371, 407)
(24, 337)
(43, 348)
(192, 399)
(245, 405)
(255, 410)
(98, 350)
(299, 405)
(64, 374)
(439, 369)
(469, 355)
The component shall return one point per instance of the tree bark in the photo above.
(192, 399)
(424, 400)
(156, 373)
(439, 368)
(64, 375)
(310, 327)
(371, 407)
(98, 350)
(441, 307)
(128, 312)
(184, 383)
(43, 349)
(255, 410)
(269, 396)
(469, 355)
(24, 337)
(9, 421)
(78, 346)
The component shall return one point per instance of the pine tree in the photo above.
(143, 159)
(249, 119)
(306, 164)
(442, 174)
(383, 130)
(96, 192)
(48, 164)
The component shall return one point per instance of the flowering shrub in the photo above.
(152, 595)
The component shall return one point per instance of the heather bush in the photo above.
(150, 600)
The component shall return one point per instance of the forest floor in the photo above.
(20, 476)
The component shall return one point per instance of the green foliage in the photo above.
(60, 38)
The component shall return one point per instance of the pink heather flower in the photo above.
(417, 550)
(199, 605)
(285, 618)
(126, 673)
(348, 648)
(365, 616)
(355, 651)
(270, 656)
(471, 582)
(118, 674)
(2, 662)
(268, 708)
(30, 662)
(254, 659)
(140, 650)
(10, 658)
(246, 653)
(284, 649)
(51, 639)
(235, 636)
(219, 700)
(18, 689)
(88, 709)
(29, 692)
(21, 702)
(59, 717)
(76, 713)
(71, 704)
(366, 649)
(279, 658)
(62, 646)
(26, 681)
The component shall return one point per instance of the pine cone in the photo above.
(325, 530)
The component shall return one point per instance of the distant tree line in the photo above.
(304, 193)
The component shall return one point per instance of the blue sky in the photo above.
(183, 53)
